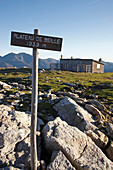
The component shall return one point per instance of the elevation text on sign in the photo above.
(36, 41)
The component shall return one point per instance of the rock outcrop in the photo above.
(110, 151)
(5, 85)
(79, 139)
(75, 115)
(109, 129)
(69, 111)
(77, 147)
(94, 111)
(59, 161)
(14, 137)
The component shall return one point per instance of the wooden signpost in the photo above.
(36, 42)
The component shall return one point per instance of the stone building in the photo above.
(82, 65)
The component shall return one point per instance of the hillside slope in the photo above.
(25, 60)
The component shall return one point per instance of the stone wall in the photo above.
(81, 65)
(97, 68)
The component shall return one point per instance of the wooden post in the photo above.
(34, 106)
(47, 43)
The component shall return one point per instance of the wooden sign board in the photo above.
(36, 41)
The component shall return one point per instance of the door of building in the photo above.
(88, 68)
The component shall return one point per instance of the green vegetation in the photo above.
(10, 75)
(99, 84)
(47, 109)
(20, 98)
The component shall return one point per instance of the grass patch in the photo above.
(55, 80)
(10, 75)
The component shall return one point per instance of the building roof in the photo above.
(84, 60)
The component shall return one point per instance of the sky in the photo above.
(86, 26)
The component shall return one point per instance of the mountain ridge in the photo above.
(22, 59)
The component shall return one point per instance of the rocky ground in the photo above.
(74, 132)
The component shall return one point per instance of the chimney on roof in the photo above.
(61, 56)
(100, 60)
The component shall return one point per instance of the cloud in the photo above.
(94, 1)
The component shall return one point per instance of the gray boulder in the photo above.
(14, 132)
(109, 129)
(53, 97)
(78, 148)
(59, 162)
(99, 138)
(94, 111)
(74, 114)
(21, 87)
(5, 85)
(2, 96)
(74, 96)
(98, 104)
(110, 150)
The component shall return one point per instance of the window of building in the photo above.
(98, 66)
